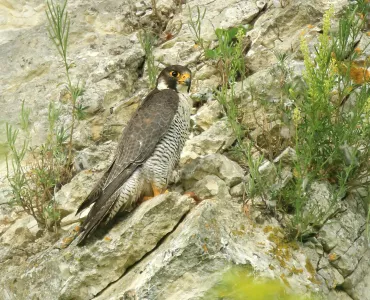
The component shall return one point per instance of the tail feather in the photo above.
(96, 192)
(104, 204)
(95, 217)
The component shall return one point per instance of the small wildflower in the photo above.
(240, 34)
(326, 22)
(332, 257)
(368, 33)
(296, 116)
(359, 75)
(358, 50)
(361, 16)
(310, 26)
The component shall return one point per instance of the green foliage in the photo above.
(332, 142)
(229, 57)
(195, 25)
(239, 284)
(33, 183)
(147, 41)
(80, 111)
(35, 173)
(59, 25)
(329, 110)
(229, 54)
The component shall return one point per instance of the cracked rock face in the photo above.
(169, 247)
(83, 272)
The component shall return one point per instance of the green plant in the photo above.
(229, 58)
(332, 142)
(147, 41)
(59, 25)
(238, 283)
(195, 25)
(36, 173)
(33, 183)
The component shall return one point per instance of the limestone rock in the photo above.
(208, 114)
(202, 248)
(217, 138)
(321, 204)
(82, 272)
(92, 156)
(213, 164)
(169, 248)
(278, 30)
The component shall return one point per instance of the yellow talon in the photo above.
(156, 192)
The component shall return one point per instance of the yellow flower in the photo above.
(296, 116)
(358, 50)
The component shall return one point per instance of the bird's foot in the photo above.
(156, 193)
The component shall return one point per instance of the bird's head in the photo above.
(174, 77)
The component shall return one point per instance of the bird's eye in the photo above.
(174, 74)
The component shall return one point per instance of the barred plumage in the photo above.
(148, 152)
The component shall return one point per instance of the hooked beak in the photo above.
(185, 80)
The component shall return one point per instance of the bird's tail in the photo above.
(123, 199)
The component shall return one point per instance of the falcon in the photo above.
(147, 153)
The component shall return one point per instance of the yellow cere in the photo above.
(184, 77)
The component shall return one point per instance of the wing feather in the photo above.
(139, 139)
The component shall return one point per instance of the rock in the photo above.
(192, 260)
(38, 75)
(343, 238)
(18, 235)
(90, 157)
(321, 204)
(332, 277)
(268, 173)
(208, 114)
(213, 164)
(287, 157)
(91, 162)
(82, 272)
(170, 248)
(211, 187)
(279, 29)
(338, 295)
(238, 190)
(217, 138)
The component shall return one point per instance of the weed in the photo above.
(34, 184)
(59, 25)
(229, 57)
(36, 173)
(147, 41)
(195, 25)
(332, 143)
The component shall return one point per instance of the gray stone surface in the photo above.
(169, 247)
(82, 272)
(215, 139)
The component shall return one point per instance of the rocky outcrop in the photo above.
(170, 247)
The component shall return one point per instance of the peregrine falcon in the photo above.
(147, 153)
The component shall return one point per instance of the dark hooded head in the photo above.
(173, 77)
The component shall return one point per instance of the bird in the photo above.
(148, 151)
